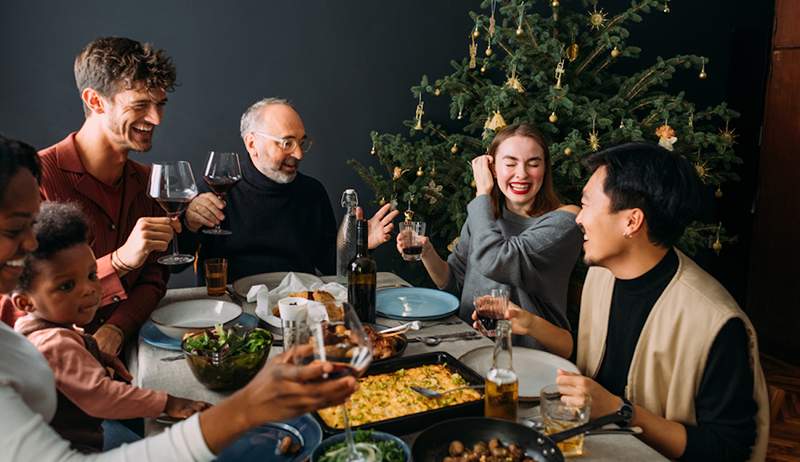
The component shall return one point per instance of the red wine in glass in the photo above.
(222, 173)
(172, 186)
(413, 250)
(173, 207)
(221, 186)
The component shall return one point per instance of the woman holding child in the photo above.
(518, 236)
(27, 387)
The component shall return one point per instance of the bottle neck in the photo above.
(501, 359)
(362, 236)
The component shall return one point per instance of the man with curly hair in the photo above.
(123, 85)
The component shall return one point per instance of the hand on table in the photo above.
(182, 408)
(575, 389)
(205, 210)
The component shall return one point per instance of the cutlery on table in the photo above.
(428, 393)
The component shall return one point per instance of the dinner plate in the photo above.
(271, 280)
(152, 336)
(409, 303)
(261, 443)
(535, 368)
(178, 318)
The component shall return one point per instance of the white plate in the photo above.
(178, 318)
(535, 368)
(271, 280)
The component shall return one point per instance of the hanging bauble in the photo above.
(597, 18)
(615, 52)
(382, 201)
(555, 4)
(420, 172)
(454, 148)
(483, 69)
(475, 32)
(727, 135)
(397, 173)
(497, 122)
(572, 52)
(594, 140)
(703, 74)
(553, 117)
(519, 31)
(717, 246)
(372, 151)
(567, 151)
(489, 50)
(718, 193)
(437, 91)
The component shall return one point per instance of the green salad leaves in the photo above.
(228, 341)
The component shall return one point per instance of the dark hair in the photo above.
(661, 183)
(16, 155)
(58, 226)
(112, 64)
(546, 199)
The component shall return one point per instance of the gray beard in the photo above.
(278, 176)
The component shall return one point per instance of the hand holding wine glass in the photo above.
(172, 186)
(222, 173)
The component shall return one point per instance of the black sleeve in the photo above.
(724, 406)
(326, 255)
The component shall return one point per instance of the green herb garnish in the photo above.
(390, 450)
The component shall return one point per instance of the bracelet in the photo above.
(119, 262)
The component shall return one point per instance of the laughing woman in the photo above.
(518, 236)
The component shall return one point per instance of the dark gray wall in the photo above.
(347, 65)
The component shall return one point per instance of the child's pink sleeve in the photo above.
(84, 381)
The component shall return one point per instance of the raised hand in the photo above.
(205, 210)
(483, 173)
(150, 234)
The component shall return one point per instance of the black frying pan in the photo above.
(433, 443)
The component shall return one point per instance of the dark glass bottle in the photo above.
(362, 276)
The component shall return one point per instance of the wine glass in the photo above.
(222, 173)
(345, 344)
(172, 186)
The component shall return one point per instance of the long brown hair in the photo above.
(546, 198)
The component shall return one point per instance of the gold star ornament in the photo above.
(597, 18)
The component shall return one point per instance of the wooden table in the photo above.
(176, 378)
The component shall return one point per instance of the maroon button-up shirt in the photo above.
(128, 301)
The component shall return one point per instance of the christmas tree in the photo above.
(553, 66)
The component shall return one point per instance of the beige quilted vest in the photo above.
(670, 356)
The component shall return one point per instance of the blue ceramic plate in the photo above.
(261, 443)
(151, 335)
(408, 303)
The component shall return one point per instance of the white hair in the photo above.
(250, 116)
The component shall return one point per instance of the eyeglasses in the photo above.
(289, 143)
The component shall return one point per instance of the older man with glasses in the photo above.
(281, 219)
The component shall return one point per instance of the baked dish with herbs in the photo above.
(387, 396)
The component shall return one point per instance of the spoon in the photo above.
(428, 393)
(437, 339)
(402, 328)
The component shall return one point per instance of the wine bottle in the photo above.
(502, 385)
(362, 276)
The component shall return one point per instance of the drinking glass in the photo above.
(411, 233)
(558, 416)
(216, 276)
(490, 305)
(222, 173)
(172, 186)
(345, 344)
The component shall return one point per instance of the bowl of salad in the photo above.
(226, 358)
(384, 447)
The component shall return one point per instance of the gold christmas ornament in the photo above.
(519, 31)
(454, 148)
(702, 170)
(572, 52)
(594, 139)
(491, 20)
(513, 82)
(475, 32)
(472, 183)
(382, 201)
(496, 122)
(717, 246)
(718, 193)
(483, 69)
(419, 113)
(615, 52)
(460, 109)
(489, 50)
(691, 119)
(559, 73)
(555, 4)
(622, 123)
(666, 6)
(473, 54)
(398, 172)
(727, 135)
(666, 136)
(553, 117)
(437, 91)
(567, 151)
(372, 151)
(703, 74)
(597, 18)
(420, 172)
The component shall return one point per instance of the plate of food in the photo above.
(289, 441)
(385, 402)
(151, 335)
(272, 280)
(332, 307)
(539, 368)
(392, 448)
(385, 346)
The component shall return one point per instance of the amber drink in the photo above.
(558, 416)
(502, 385)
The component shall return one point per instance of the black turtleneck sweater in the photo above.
(276, 227)
(724, 406)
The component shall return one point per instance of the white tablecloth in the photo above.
(175, 377)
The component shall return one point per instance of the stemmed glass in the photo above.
(345, 344)
(222, 173)
(172, 186)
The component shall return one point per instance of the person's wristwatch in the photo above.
(626, 412)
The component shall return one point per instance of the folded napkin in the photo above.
(293, 309)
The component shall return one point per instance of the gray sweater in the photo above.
(531, 257)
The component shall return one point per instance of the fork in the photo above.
(428, 393)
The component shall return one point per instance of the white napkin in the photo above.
(294, 282)
(293, 309)
(316, 312)
(252, 294)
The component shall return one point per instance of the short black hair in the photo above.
(14, 156)
(58, 226)
(663, 184)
